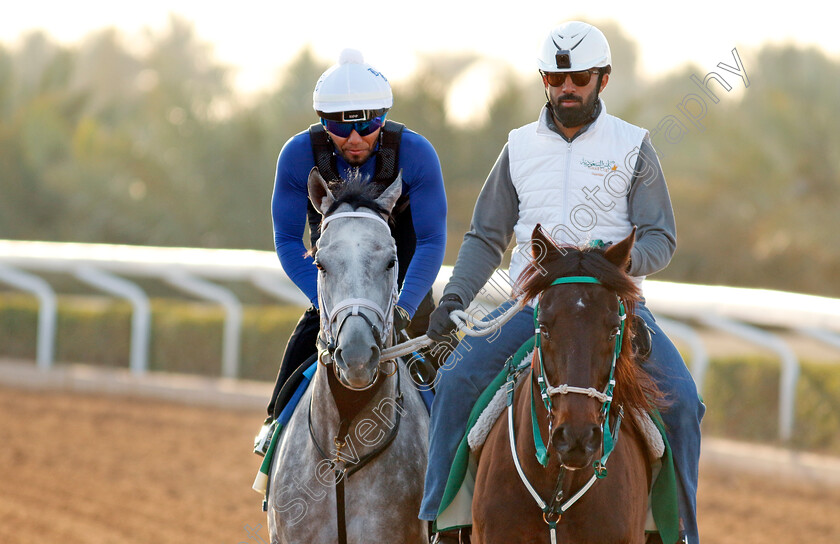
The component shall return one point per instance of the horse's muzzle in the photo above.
(576, 444)
(357, 366)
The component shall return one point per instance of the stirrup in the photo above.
(263, 438)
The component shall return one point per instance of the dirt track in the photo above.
(99, 469)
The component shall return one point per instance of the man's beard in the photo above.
(355, 162)
(576, 116)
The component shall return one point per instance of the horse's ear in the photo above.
(390, 195)
(319, 194)
(540, 243)
(619, 254)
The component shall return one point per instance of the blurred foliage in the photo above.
(151, 145)
(742, 399)
(186, 336)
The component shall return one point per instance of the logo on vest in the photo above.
(600, 166)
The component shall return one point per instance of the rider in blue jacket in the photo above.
(353, 141)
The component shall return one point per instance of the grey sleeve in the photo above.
(496, 212)
(652, 214)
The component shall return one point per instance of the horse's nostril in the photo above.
(594, 438)
(565, 438)
(560, 438)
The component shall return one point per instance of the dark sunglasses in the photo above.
(344, 130)
(580, 79)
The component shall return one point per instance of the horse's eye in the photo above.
(319, 266)
(615, 332)
(391, 264)
(544, 332)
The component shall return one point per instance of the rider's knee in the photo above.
(456, 378)
(685, 409)
(450, 381)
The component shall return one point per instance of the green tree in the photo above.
(100, 142)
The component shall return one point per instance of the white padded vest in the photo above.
(576, 190)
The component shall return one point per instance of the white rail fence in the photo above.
(745, 313)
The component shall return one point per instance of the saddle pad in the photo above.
(479, 431)
(260, 484)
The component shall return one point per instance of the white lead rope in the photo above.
(481, 327)
(461, 319)
(406, 348)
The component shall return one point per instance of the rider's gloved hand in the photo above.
(401, 318)
(440, 326)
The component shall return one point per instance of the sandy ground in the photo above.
(99, 469)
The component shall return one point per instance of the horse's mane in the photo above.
(357, 195)
(634, 387)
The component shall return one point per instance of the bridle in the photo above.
(547, 390)
(554, 510)
(333, 319)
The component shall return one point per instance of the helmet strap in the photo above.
(598, 87)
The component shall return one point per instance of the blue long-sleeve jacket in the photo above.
(422, 181)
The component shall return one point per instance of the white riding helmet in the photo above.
(351, 90)
(574, 46)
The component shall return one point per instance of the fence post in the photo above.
(790, 366)
(233, 315)
(141, 317)
(47, 311)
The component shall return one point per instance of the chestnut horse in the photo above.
(578, 470)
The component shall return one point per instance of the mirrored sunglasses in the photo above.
(580, 79)
(364, 128)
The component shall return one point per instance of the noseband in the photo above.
(330, 317)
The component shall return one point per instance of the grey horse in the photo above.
(359, 474)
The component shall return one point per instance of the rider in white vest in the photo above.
(585, 176)
(557, 190)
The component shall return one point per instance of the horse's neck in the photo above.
(323, 409)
